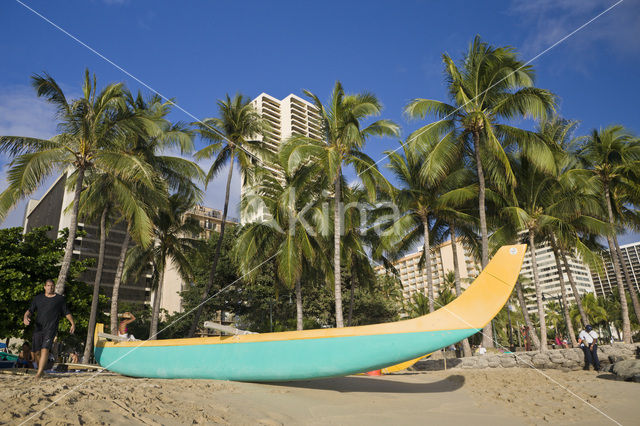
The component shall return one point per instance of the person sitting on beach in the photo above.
(25, 356)
(481, 350)
(123, 330)
(73, 357)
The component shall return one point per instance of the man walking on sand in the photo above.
(49, 306)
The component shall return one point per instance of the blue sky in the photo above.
(198, 51)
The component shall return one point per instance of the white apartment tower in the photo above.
(287, 117)
(605, 280)
(549, 277)
(414, 278)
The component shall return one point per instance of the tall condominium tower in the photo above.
(287, 117)
(414, 278)
(605, 281)
(549, 275)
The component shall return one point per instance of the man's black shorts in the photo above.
(43, 339)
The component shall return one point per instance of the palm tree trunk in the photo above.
(427, 263)
(563, 289)
(466, 348)
(527, 320)
(624, 308)
(155, 316)
(216, 256)
(337, 232)
(96, 287)
(574, 288)
(73, 227)
(627, 277)
(117, 281)
(487, 331)
(536, 282)
(351, 297)
(299, 322)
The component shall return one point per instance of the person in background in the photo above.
(481, 350)
(586, 342)
(594, 346)
(25, 356)
(49, 307)
(123, 330)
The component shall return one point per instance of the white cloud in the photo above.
(545, 22)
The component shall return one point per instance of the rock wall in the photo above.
(567, 359)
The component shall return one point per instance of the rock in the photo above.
(508, 362)
(615, 358)
(627, 370)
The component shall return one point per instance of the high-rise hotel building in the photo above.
(287, 117)
(414, 278)
(605, 280)
(549, 276)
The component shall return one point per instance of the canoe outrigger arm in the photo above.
(225, 328)
(113, 337)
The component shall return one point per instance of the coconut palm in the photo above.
(234, 136)
(421, 186)
(110, 199)
(173, 244)
(612, 154)
(489, 84)
(344, 137)
(522, 291)
(288, 236)
(171, 174)
(89, 127)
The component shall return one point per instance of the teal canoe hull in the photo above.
(282, 360)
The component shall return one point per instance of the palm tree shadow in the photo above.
(379, 385)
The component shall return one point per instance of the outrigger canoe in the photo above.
(320, 353)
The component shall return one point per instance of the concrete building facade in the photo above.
(549, 275)
(414, 278)
(210, 220)
(605, 280)
(286, 117)
(50, 210)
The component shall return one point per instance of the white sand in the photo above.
(474, 397)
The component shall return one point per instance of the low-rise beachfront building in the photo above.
(414, 278)
(605, 281)
(51, 210)
(550, 277)
(210, 220)
(286, 117)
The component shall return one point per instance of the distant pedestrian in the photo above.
(49, 307)
(587, 340)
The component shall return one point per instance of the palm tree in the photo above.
(520, 291)
(612, 154)
(596, 314)
(107, 197)
(490, 84)
(288, 237)
(344, 137)
(170, 174)
(424, 172)
(89, 127)
(234, 136)
(173, 244)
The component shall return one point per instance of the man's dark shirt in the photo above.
(49, 310)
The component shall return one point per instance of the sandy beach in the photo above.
(479, 397)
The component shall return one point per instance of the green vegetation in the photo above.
(471, 175)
